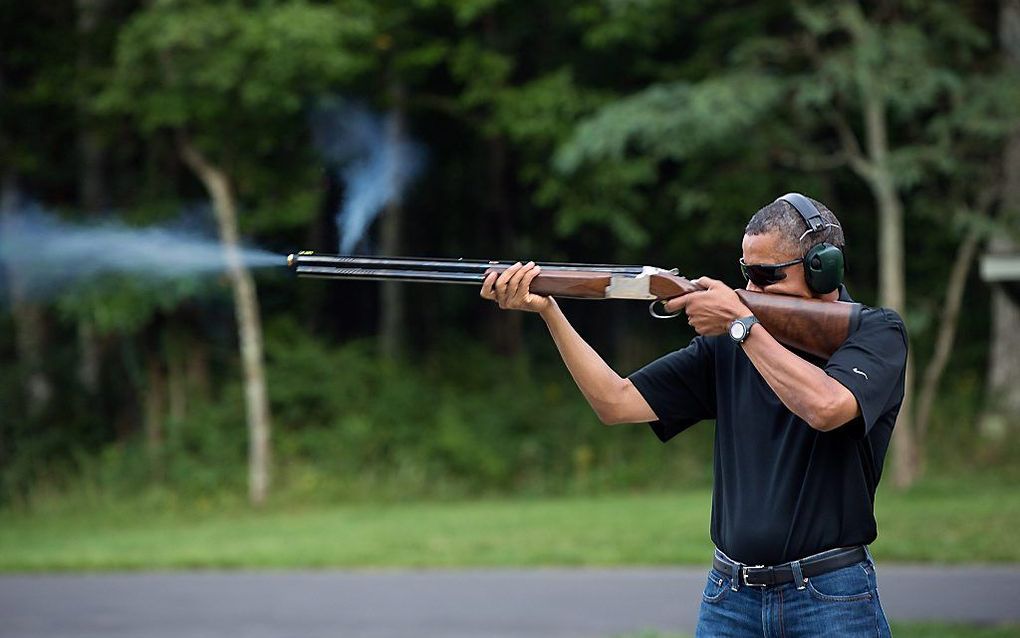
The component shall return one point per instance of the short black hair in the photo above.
(781, 218)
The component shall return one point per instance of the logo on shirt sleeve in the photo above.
(862, 374)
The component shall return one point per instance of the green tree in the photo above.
(894, 96)
(229, 82)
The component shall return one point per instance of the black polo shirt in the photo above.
(784, 490)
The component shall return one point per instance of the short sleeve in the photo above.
(871, 364)
(679, 387)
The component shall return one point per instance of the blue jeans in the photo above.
(843, 602)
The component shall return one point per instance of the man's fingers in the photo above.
(707, 282)
(488, 291)
(674, 305)
(679, 303)
(529, 277)
(511, 288)
(503, 280)
(514, 288)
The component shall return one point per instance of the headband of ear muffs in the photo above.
(824, 263)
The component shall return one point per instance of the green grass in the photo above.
(950, 521)
(902, 630)
(941, 523)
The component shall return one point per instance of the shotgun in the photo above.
(816, 327)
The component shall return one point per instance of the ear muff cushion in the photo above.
(823, 268)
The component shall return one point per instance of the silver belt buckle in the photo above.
(743, 576)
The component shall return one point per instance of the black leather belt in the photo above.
(762, 576)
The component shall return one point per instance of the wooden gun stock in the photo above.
(809, 325)
(813, 326)
(571, 284)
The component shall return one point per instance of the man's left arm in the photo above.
(806, 390)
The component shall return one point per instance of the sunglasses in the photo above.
(762, 275)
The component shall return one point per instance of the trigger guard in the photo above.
(651, 310)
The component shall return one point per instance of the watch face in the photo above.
(737, 331)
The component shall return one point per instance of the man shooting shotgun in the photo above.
(799, 439)
(804, 386)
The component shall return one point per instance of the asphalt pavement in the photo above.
(553, 603)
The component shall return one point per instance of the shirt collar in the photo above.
(843, 294)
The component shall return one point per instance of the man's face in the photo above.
(771, 249)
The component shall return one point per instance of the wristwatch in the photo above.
(740, 328)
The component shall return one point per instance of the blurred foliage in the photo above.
(351, 426)
(583, 130)
(460, 422)
(186, 63)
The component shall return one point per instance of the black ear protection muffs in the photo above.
(824, 265)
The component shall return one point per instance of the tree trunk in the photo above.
(631, 346)
(92, 189)
(176, 377)
(892, 274)
(505, 331)
(906, 465)
(506, 328)
(91, 148)
(1002, 404)
(154, 410)
(249, 328)
(1002, 409)
(392, 328)
(89, 355)
(29, 324)
(950, 318)
(196, 371)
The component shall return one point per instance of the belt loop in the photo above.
(735, 576)
(798, 575)
(867, 553)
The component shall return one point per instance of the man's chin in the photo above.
(799, 294)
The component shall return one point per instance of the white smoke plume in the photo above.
(49, 254)
(371, 157)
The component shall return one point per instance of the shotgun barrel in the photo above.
(302, 262)
(560, 279)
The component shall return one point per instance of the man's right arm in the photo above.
(614, 399)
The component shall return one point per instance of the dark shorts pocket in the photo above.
(847, 585)
(716, 587)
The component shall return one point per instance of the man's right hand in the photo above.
(511, 289)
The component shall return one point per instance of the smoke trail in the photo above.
(48, 254)
(374, 162)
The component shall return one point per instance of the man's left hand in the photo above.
(711, 311)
